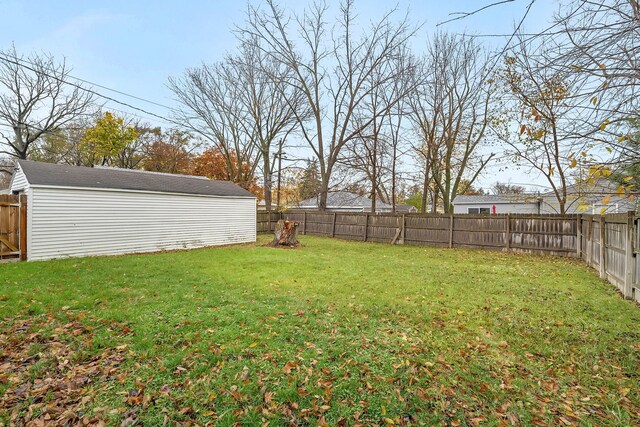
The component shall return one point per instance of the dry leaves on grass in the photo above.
(48, 378)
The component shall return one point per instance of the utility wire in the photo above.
(21, 63)
(14, 57)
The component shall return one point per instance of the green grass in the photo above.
(338, 333)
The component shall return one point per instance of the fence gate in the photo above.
(13, 227)
(636, 260)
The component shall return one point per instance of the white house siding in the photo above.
(19, 181)
(501, 208)
(588, 205)
(81, 222)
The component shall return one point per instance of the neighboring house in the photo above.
(589, 198)
(344, 201)
(496, 204)
(402, 208)
(584, 198)
(78, 211)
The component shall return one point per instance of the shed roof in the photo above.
(492, 198)
(39, 173)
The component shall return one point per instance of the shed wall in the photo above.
(19, 181)
(83, 222)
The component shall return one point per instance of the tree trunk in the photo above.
(324, 193)
(268, 185)
(286, 234)
(393, 180)
(425, 189)
(434, 200)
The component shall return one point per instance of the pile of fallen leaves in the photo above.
(48, 368)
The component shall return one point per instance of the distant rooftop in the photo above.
(495, 198)
(344, 199)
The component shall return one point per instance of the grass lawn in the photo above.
(337, 333)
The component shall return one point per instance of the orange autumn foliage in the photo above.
(215, 164)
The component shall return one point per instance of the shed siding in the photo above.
(82, 222)
(501, 208)
(19, 181)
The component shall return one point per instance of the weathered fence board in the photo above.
(13, 227)
(609, 243)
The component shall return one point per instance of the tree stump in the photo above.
(286, 234)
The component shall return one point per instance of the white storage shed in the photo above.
(77, 211)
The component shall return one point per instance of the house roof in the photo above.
(401, 207)
(55, 175)
(344, 199)
(486, 199)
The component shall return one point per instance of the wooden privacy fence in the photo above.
(563, 235)
(13, 227)
(552, 234)
(610, 243)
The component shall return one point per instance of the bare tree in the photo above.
(6, 171)
(604, 45)
(332, 66)
(376, 150)
(600, 41)
(64, 144)
(272, 105)
(503, 188)
(396, 128)
(211, 96)
(554, 132)
(451, 112)
(35, 99)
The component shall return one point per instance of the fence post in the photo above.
(404, 227)
(23, 227)
(590, 242)
(451, 230)
(629, 264)
(333, 226)
(304, 222)
(507, 232)
(366, 226)
(579, 236)
(603, 247)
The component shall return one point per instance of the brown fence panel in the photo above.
(615, 244)
(266, 221)
(383, 228)
(12, 227)
(595, 242)
(553, 234)
(611, 245)
(432, 230)
(320, 223)
(479, 231)
(350, 226)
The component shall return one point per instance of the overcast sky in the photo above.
(133, 46)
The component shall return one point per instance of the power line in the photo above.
(21, 63)
(14, 57)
